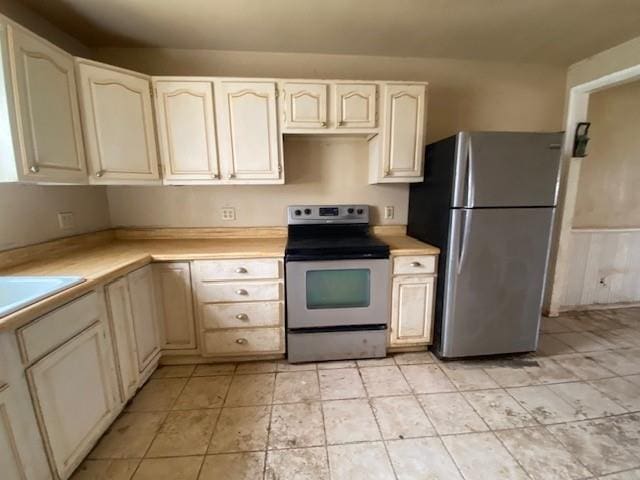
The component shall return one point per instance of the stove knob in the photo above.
(349, 211)
(297, 213)
(307, 211)
(360, 211)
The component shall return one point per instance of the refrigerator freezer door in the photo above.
(507, 169)
(494, 281)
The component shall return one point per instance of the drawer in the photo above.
(53, 329)
(244, 341)
(239, 292)
(414, 264)
(242, 315)
(216, 270)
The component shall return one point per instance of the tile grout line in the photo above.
(324, 426)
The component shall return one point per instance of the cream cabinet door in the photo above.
(250, 143)
(305, 105)
(186, 130)
(75, 397)
(403, 131)
(173, 285)
(118, 120)
(355, 105)
(47, 110)
(144, 309)
(22, 455)
(123, 335)
(412, 310)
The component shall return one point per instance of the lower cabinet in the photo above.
(74, 396)
(21, 451)
(175, 306)
(145, 322)
(124, 337)
(412, 302)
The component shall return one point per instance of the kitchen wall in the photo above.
(609, 184)
(462, 95)
(28, 213)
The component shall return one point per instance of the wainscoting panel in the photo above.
(604, 267)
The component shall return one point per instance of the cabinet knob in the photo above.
(242, 341)
(241, 270)
(34, 169)
(387, 173)
(416, 264)
(216, 176)
(341, 123)
(324, 124)
(231, 176)
(242, 316)
(100, 173)
(242, 291)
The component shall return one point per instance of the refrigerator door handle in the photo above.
(465, 223)
(469, 186)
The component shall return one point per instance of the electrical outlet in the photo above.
(228, 213)
(66, 220)
(388, 212)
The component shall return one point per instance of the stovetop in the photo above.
(343, 235)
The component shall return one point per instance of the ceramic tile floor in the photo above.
(572, 411)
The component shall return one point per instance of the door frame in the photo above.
(576, 111)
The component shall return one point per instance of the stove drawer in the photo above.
(242, 315)
(414, 264)
(239, 292)
(216, 270)
(244, 341)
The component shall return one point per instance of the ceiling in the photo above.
(537, 31)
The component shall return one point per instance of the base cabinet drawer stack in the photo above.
(412, 300)
(240, 307)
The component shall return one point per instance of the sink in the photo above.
(18, 292)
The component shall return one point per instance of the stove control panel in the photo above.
(316, 214)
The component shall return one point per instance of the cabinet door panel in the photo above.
(74, 396)
(186, 129)
(173, 284)
(143, 307)
(305, 105)
(355, 105)
(403, 135)
(46, 99)
(119, 129)
(412, 306)
(119, 306)
(249, 136)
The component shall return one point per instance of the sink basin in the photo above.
(18, 292)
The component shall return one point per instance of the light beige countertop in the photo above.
(103, 262)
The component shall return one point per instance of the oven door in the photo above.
(337, 293)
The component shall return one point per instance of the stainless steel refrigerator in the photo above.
(488, 201)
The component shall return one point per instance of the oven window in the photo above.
(338, 288)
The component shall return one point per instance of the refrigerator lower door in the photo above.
(494, 281)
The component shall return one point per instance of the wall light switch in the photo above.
(388, 212)
(66, 220)
(228, 213)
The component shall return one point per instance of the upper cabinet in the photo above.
(118, 124)
(186, 131)
(355, 105)
(248, 134)
(398, 155)
(41, 136)
(305, 105)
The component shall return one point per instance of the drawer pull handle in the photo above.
(242, 291)
(416, 264)
(242, 341)
(242, 316)
(34, 168)
(241, 270)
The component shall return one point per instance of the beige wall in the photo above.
(28, 214)
(609, 184)
(462, 95)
